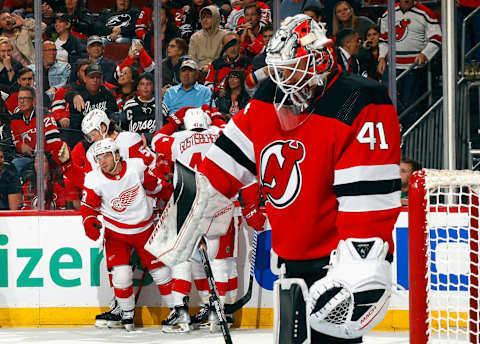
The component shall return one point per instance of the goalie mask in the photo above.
(106, 146)
(93, 121)
(196, 118)
(299, 58)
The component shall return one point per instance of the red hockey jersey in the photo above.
(334, 177)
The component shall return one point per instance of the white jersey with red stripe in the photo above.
(416, 31)
(131, 146)
(122, 199)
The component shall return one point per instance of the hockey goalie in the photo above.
(324, 147)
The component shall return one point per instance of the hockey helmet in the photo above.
(107, 145)
(93, 121)
(196, 118)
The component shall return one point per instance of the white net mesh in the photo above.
(452, 255)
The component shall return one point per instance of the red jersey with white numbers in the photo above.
(335, 176)
(122, 199)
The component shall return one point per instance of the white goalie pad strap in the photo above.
(290, 317)
(195, 209)
(354, 295)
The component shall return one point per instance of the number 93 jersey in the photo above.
(333, 177)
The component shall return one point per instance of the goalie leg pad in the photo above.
(196, 209)
(354, 295)
(291, 323)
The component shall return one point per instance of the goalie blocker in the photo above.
(348, 294)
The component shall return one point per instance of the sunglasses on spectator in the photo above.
(24, 98)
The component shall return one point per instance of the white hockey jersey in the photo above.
(122, 199)
(416, 31)
(188, 147)
(131, 146)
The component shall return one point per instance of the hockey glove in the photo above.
(249, 198)
(92, 227)
(64, 153)
(176, 118)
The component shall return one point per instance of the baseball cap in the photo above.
(63, 17)
(93, 69)
(190, 64)
(94, 39)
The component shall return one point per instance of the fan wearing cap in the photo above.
(83, 98)
(69, 47)
(95, 50)
(189, 92)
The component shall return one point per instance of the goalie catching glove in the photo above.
(354, 295)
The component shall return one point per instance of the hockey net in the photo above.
(443, 256)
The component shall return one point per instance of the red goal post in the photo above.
(443, 256)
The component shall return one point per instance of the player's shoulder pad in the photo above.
(348, 96)
(92, 178)
(137, 164)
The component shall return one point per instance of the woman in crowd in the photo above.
(235, 97)
(176, 48)
(368, 55)
(127, 85)
(82, 18)
(344, 17)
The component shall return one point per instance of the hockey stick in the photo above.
(140, 285)
(214, 299)
(232, 308)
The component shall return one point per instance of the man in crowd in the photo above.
(25, 78)
(24, 129)
(8, 65)
(348, 45)
(407, 167)
(189, 92)
(95, 49)
(83, 98)
(55, 73)
(70, 48)
(251, 37)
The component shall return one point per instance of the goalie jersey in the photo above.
(334, 177)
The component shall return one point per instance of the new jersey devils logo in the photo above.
(401, 29)
(281, 177)
(126, 198)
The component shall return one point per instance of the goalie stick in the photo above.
(232, 308)
(214, 299)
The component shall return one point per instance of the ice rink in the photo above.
(151, 335)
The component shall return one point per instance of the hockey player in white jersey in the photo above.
(97, 126)
(189, 147)
(118, 190)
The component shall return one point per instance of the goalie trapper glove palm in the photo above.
(354, 295)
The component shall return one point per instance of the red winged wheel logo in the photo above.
(125, 199)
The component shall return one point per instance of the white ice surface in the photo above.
(153, 335)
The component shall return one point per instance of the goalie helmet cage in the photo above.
(443, 256)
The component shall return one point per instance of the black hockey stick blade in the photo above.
(140, 285)
(232, 308)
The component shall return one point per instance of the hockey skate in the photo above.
(178, 320)
(127, 320)
(207, 318)
(111, 318)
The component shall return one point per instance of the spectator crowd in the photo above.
(213, 54)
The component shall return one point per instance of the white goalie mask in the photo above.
(107, 145)
(196, 118)
(93, 121)
(299, 57)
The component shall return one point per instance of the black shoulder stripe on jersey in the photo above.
(51, 136)
(229, 147)
(184, 193)
(376, 187)
(436, 43)
(348, 96)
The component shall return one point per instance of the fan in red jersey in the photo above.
(118, 190)
(330, 179)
